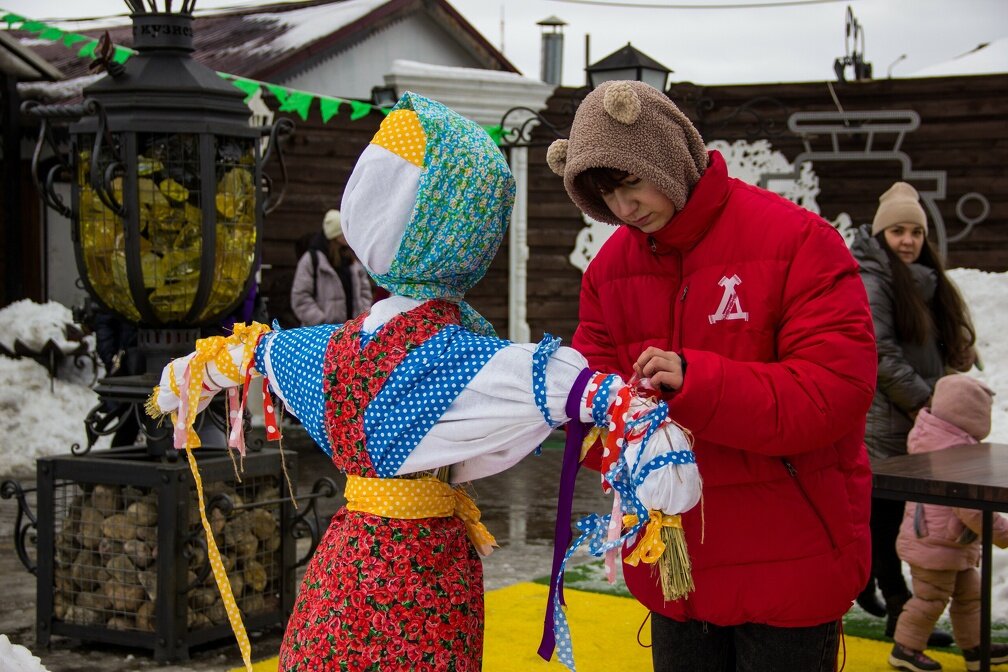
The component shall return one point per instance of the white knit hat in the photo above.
(900, 204)
(331, 225)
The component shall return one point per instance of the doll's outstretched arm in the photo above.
(189, 383)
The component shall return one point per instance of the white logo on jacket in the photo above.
(729, 308)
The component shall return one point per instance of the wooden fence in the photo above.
(963, 131)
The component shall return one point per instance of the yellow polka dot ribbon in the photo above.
(402, 134)
(414, 498)
(651, 546)
(217, 350)
(220, 576)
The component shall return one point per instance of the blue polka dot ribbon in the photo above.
(593, 528)
(625, 479)
(419, 391)
(547, 346)
(600, 403)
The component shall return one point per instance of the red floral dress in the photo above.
(383, 593)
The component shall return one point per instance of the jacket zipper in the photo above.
(794, 476)
(652, 244)
(679, 310)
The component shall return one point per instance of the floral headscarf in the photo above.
(428, 204)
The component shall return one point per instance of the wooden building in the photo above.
(962, 133)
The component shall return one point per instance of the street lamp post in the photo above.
(167, 202)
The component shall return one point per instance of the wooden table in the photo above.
(967, 476)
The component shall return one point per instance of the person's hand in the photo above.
(663, 368)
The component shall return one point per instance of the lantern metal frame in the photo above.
(627, 58)
(160, 93)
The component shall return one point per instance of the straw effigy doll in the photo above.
(409, 400)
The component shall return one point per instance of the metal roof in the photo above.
(262, 42)
(22, 62)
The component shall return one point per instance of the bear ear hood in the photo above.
(622, 103)
(634, 128)
(556, 157)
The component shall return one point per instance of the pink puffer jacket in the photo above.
(942, 537)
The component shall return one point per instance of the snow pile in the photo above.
(36, 324)
(39, 422)
(984, 293)
(16, 658)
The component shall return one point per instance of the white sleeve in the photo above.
(494, 422)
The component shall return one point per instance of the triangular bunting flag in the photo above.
(88, 50)
(70, 39)
(328, 107)
(121, 54)
(51, 34)
(495, 133)
(248, 86)
(280, 92)
(359, 110)
(298, 101)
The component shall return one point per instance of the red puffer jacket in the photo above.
(764, 301)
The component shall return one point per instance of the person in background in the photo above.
(942, 543)
(748, 313)
(922, 330)
(330, 286)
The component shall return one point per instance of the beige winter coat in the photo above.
(328, 304)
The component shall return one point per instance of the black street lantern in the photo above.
(167, 198)
(628, 63)
(166, 172)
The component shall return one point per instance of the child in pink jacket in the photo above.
(942, 543)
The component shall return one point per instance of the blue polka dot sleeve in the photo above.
(297, 357)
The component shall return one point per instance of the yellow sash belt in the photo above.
(414, 498)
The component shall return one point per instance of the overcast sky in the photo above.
(797, 42)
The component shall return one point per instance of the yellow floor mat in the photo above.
(604, 629)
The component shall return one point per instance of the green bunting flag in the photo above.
(359, 110)
(328, 107)
(290, 100)
(299, 102)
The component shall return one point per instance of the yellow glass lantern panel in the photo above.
(102, 243)
(235, 234)
(170, 221)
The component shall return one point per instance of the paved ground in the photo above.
(518, 507)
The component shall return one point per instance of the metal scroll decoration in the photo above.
(761, 116)
(833, 130)
(519, 123)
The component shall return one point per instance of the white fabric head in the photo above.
(377, 205)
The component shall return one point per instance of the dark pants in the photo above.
(886, 517)
(694, 646)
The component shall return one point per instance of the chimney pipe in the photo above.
(551, 57)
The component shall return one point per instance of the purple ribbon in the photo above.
(562, 536)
